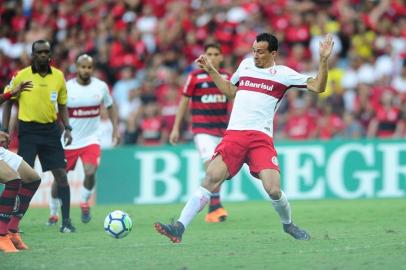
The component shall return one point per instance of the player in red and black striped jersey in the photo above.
(210, 114)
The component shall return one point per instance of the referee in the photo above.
(38, 130)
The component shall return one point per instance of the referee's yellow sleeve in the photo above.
(63, 92)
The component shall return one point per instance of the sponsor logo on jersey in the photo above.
(83, 112)
(261, 85)
(214, 98)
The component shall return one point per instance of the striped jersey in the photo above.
(209, 106)
(258, 94)
(84, 110)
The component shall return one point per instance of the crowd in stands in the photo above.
(145, 48)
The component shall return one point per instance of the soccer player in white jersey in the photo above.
(257, 87)
(210, 113)
(85, 96)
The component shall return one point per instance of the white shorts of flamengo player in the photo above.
(12, 159)
(206, 144)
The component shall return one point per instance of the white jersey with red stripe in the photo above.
(258, 94)
(84, 110)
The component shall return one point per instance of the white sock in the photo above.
(54, 205)
(194, 205)
(282, 207)
(85, 194)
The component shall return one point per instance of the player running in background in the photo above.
(257, 85)
(20, 184)
(85, 96)
(209, 109)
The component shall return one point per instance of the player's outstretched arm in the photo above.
(225, 86)
(6, 98)
(318, 84)
(6, 115)
(23, 86)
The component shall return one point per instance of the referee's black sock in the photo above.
(64, 195)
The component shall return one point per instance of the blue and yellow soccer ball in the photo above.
(118, 224)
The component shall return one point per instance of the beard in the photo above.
(85, 79)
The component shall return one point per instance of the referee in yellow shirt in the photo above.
(38, 130)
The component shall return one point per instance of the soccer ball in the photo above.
(118, 224)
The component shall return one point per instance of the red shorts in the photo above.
(247, 146)
(89, 155)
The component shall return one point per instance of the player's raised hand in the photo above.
(23, 86)
(326, 47)
(204, 63)
(174, 136)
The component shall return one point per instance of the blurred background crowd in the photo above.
(144, 50)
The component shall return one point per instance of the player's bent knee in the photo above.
(275, 194)
(60, 177)
(31, 178)
(90, 175)
(62, 183)
(90, 171)
(8, 176)
(7, 173)
(27, 173)
(211, 182)
(212, 178)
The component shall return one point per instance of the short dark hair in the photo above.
(271, 39)
(212, 45)
(40, 41)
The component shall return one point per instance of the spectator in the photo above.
(383, 125)
(126, 93)
(301, 125)
(152, 130)
(399, 82)
(352, 128)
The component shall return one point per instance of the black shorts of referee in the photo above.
(43, 140)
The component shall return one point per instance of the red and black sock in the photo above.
(25, 194)
(7, 202)
(215, 201)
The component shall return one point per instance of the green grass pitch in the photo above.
(356, 234)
